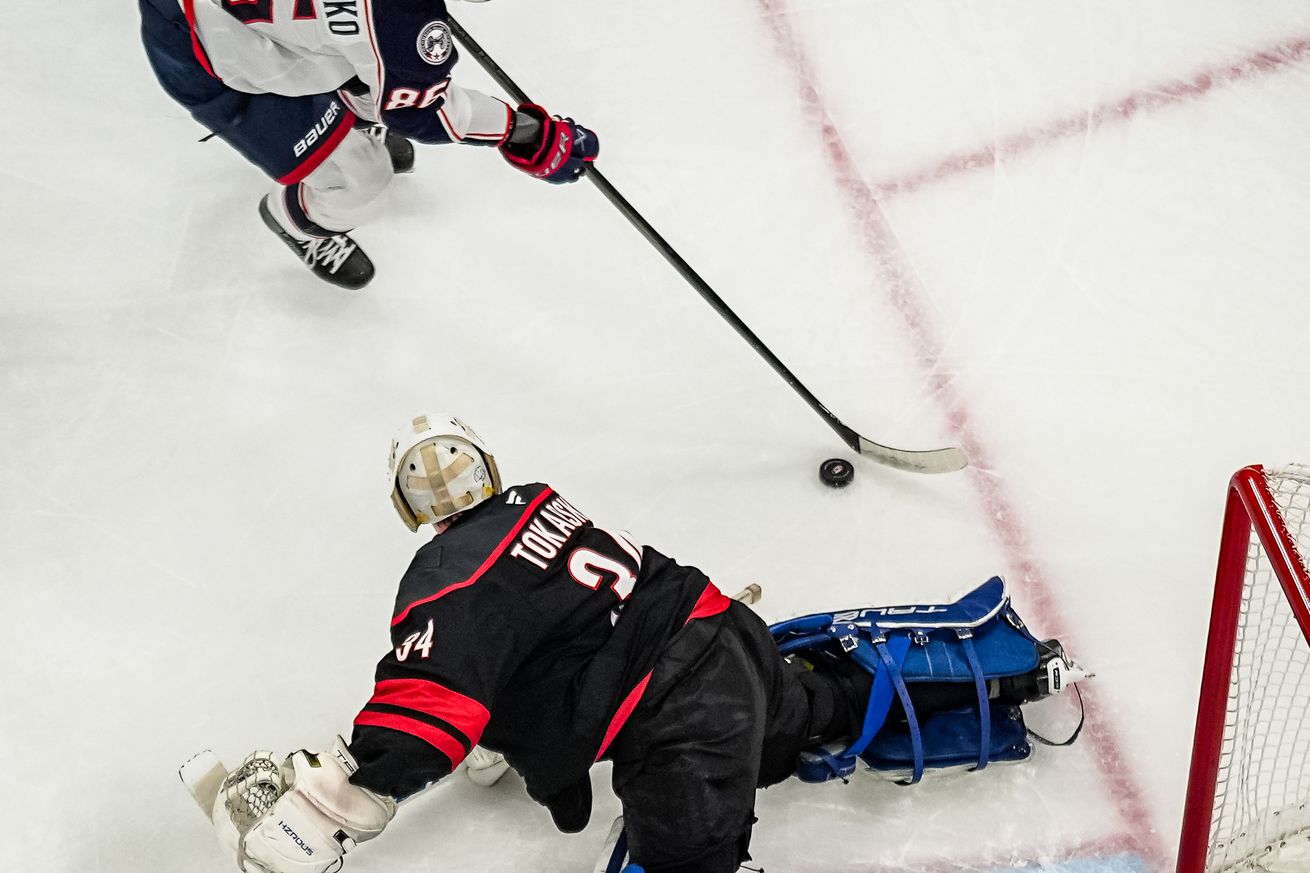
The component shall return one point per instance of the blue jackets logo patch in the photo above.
(435, 43)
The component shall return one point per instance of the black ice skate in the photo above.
(335, 259)
(1055, 672)
(400, 149)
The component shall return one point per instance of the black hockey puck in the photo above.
(836, 472)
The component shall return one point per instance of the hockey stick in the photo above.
(932, 461)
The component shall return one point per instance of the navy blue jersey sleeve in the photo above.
(416, 98)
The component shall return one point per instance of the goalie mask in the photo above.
(439, 467)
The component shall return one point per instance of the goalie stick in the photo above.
(943, 460)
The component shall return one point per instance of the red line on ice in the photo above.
(1014, 857)
(1192, 87)
(909, 298)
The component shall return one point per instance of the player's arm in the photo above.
(415, 729)
(416, 97)
(428, 708)
(436, 688)
(415, 54)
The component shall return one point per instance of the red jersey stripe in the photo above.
(429, 698)
(486, 565)
(189, 10)
(621, 716)
(430, 734)
(712, 601)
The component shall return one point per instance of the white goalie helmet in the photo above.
(439, 467)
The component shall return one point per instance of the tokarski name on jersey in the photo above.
(549, 529)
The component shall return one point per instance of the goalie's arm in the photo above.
(435, 689)
(396, 762)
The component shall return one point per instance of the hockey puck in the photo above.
(836, 472)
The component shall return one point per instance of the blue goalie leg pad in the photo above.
(975, 640)
(950, 740)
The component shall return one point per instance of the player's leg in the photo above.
(178, 64)
(399, 149)
(806, 708)
(329, 175)
(942, 689)
(686, 765)
(359, 100)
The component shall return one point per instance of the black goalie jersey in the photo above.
(527, 629)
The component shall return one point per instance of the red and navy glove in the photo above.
(551, 148)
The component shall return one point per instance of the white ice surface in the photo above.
(195, 543)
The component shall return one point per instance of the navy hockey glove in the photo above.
(549, 147)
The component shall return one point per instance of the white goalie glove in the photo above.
(300, 816)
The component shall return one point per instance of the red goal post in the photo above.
(1248, 793)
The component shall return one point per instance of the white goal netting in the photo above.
(1261, 818)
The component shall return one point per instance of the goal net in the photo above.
(1248, 795)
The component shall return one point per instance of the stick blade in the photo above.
(203, 776)
(946, 460)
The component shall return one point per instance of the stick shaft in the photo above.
(932, 461)
(644, 227)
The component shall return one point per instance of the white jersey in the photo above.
(401, 51)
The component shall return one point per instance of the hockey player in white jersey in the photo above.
(325, 95)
